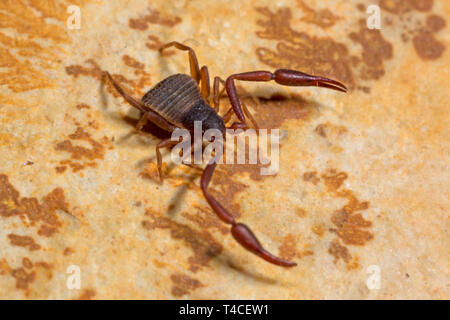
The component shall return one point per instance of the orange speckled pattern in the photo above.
(363, 186)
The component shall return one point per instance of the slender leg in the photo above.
(227, 115)
(194, 166)
(199, 75)
(240, 231)
(205, 87)
(191, 165)
(282, 76)
(217, 92)
(128, 98)
(166, 143)
(250, 116)
(148, 114)
(142, 122)
(193, 62)
(238, 125)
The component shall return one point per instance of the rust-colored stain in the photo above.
(86, 294)
(28, 272)
(153, 17)
(351, 226)
(354, 264)
(319, 230)
(79, 153)
(203, 245)
(427, 47)
(83, 106)
(323, 56)
(334, 180)
(323, 18)
(155, 43)
(26, 262)
(271, 113)
(326, 56)
(23, 241)
(23, 278)
(159, 264)
(4, 267)
(311, 176)
(133, 63)
(288, 247)
(229, 188)
(422, 31)
(435, 23)
(23, 58)
(68, 251)
(183, 284)
(43, 265)
(205, 218)
(375, 51)
(338, 251)
(302, 213)
(305, 253)
(30, 210)
(320, 130)
(402, 6)
(144, 77)
(328, 129)
(96, 72)
(150, 171)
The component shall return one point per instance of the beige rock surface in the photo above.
(363, 185)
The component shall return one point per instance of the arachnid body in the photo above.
(177, 101)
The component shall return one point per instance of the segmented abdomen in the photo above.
(173, 97)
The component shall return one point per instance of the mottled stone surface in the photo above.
(363, 186)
